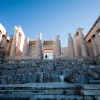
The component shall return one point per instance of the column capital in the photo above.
(39, 35)
(58, 36)
(80, 28)
(69, 34)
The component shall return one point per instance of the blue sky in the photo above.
(50, 17)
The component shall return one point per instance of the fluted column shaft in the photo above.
(26, 47)
(57, 46)
(71, 46)
(94, 47)
(0, 38)
(4, 41)
(14, 45)
(38, 48)
(83, 44)
(98, 42)
(89, 48)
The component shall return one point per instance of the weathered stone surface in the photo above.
(91, 92)
(6, 79)
(95, 86)
(74, 70)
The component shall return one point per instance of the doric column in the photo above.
(4, 41)
(57, 46)
(71, 46)
(94, 47)
(0, 37)
(14, 45)
(39, 47)
(26, 47)
(89, 48)
(19, 43)
(20, 40)
(98, 42)
(82, 43)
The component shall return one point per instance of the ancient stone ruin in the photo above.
(73, 73)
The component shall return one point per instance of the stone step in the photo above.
(32, 97)
(15, 96)
(38, 86)
(70, 92)
(57, 97)
(90, 92)
(94, 81)
(91, 86)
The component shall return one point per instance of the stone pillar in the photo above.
(14, 45)
(4, 41)
(8, 47)
(89, 48)
(39, 48)
(71, 46)
(98, 42)
(94, 47)
(20, 43)
(26, 47)
(0, 37)
(82, 42)
(57, 46)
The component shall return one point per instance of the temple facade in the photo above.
(19, 46)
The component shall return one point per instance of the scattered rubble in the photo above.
(30, 71)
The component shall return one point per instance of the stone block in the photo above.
(90, 92)
(97, 97)
(91, 87)
(8, 72)
(53, 91)
(94, 81)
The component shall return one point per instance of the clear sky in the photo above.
(50, 17)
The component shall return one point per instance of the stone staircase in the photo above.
(41, 79)
(50, 91)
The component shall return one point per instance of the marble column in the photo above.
(71, 46)
(14, 45)
(57, 46)
(94, 47)
(0, 37)
(4, 41)
(75, 46)
(82, 43)
(26, 47)
(8, 47)
(89, 48)
(39, 47)
(98, 42)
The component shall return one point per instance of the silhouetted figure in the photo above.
(46, 56)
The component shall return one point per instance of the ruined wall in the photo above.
(15, 44)
(65, 52)
(30, 71)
